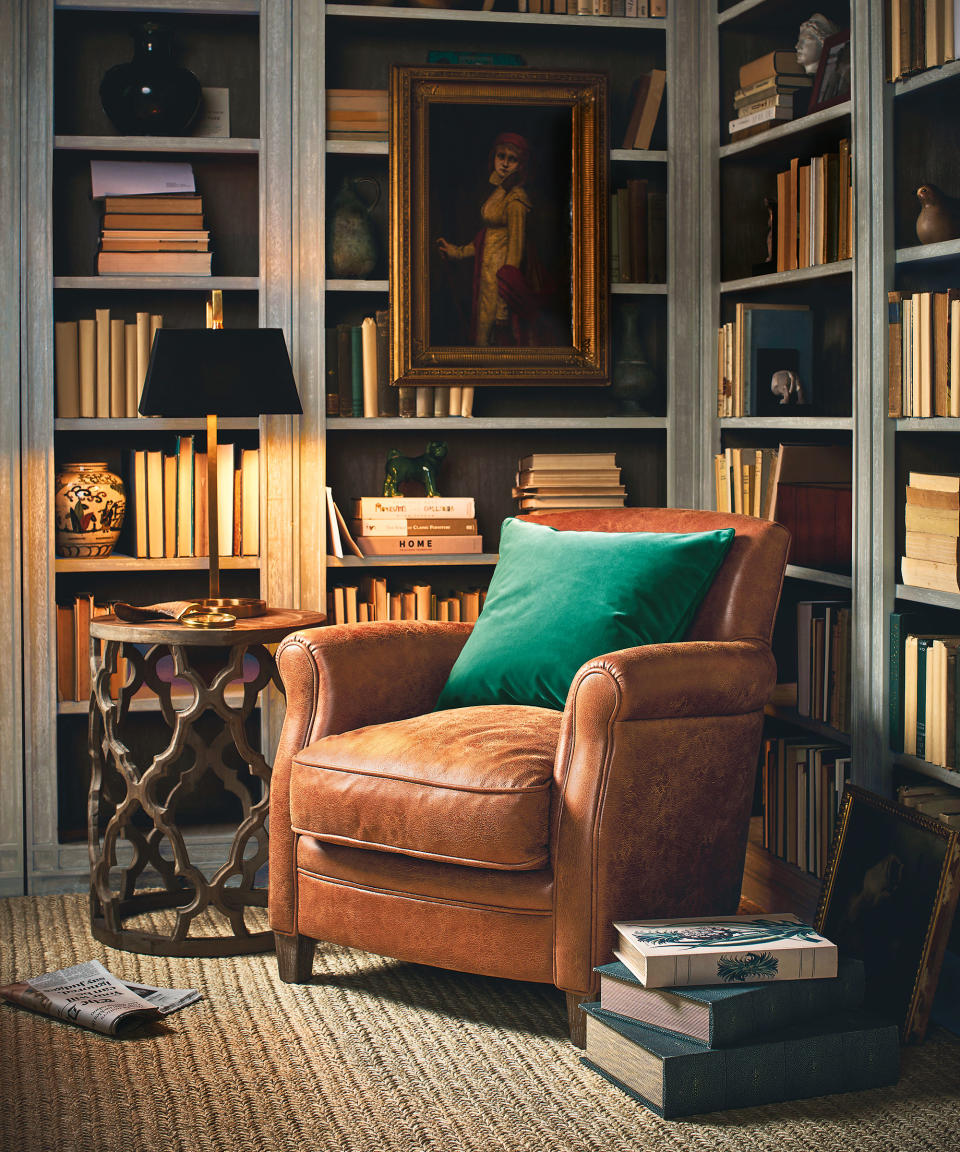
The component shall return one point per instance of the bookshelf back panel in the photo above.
(228, 185)
(222, 52)
(925, 132)
(178, 309)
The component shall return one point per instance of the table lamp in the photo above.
(211, 372)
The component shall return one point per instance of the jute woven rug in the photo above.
(375, 1055)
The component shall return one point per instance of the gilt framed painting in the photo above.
(498, 230)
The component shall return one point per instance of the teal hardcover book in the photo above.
(674, 1076)
(719, 1016)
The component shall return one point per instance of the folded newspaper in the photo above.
(92, 997)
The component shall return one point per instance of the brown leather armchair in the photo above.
(505, 840)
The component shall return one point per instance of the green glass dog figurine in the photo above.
(400, 468)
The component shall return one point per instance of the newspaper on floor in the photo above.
(92, 997)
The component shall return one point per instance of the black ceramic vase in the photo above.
(150, 95)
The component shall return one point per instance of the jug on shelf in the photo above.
(353, 244)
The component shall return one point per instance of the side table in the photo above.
(139, 802)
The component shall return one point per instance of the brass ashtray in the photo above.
(199, 618)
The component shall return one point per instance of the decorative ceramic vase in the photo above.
(150, 95)
(353, 246)
(634, 384)
(89, 502)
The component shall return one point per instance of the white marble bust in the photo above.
(810, 40)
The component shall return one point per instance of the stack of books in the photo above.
(941, 801)
(554, 481)
(703, 1015)
(357, 113)
(932, 541)
(154, 235)
(414, 526)
(773, 88)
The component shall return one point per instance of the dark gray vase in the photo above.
(150, 95)
(634, 384)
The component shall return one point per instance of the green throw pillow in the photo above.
(557, 599)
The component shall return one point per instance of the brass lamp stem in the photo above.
(213, 508)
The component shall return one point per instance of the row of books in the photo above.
(921, 34)
(923, 359)
(823, 662)
(100, 364)
(761, 341)
(154, 235)
(937, 800)
(801, 782)
(73, 648)
(357, 377)
(404, 526)
(554, 481)
(638, 234)
(168, 501)
(744, 479)
(724, 1034)
(374, 601)
(772, 88)
(357, 113)
(930, 699)
(629, 9)
(903, 682)
(931, 550)
(815, 210)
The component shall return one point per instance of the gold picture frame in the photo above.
(498, 227)
(888, 897)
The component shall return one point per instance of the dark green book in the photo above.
(356, 369)
(901, 624)
(719, 1016)
(674, 1076)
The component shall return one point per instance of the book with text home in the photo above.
(674, 1076)
(721, 1016)
(419, 545)
(738, 949)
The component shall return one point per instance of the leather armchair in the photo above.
(505, 840)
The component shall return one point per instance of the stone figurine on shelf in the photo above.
(787, 385)
(769, 261)
(422, 469)
(810, 38)
(939, 217)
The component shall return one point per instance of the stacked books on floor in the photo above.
(932, 540)
(773, 88)
(357, 114)
(160, 234)
(405, 526)
(168, 501)
(703, 1015)
(374, 600)
(554, 481)
(638, 234)
(924, 353)
(937, 800)
(802, 781)
(100, 364)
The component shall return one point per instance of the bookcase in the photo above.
(899, 137)
(246, 180)
(653, 449)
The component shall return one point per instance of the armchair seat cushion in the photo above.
(468, 786)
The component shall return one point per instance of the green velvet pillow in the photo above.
(557, 599)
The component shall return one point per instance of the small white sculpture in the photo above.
(810, 40)
(786, 384)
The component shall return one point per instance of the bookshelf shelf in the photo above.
(197, 145)
(357, 147)
(438, 560)
(927, 424)
(819, 576)
(157, 283)
(786, 132)
(790, 423)
(796, 276)
(949, 71)
(357, 286)
(152, 424)
(919, 253)
(925, 768)
(143, 564)
(638, 289)
(738, 10)
(807, 723)
(638, 156)
(929, 596)
(376, 12)
(492, 423)
(184, 7)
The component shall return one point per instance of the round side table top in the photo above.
(272, 626)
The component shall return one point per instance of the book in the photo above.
(937, 521)
(412, 545)
(674, 1076)
(250, 502)
(929, 574)
(102, 398)
(366, 507)
(934, 481)
(177, 203)
(66, 654)
(185, 503)
(118, 371)
(226, 464)
(744, 948)
(648, 98)
(415, 526)
(780, 62)
(153, 264)
(87, 365)
(356, 369)
(936, 546)
(386, 394)
(931, 498)
(901, 624)
(771, 114)
(184, 221)
(131, 388)
(568, 460)
(66, 369)
(722, 1016)
(368, 357)
(544, 503)
(345, 370)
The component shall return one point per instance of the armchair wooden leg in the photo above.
(577, 1019)
(294, 958)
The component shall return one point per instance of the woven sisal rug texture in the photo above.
(376, 1056)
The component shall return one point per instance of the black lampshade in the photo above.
(197, 372)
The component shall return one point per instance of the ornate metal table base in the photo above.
(120, 790)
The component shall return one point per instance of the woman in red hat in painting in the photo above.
(506, 279)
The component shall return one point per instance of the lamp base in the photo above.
(239, 607)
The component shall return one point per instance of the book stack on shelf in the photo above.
(773, 88)
(932, 541)
(154, 235)
(100, 364)
(921, 34)
(937, 800)
(374, 601)
(815, 210)
(761, 340)
(923, 353)
(801, 783)
(414, 526)
(357, 113)
(700, 1016)
(638, 234)
(554, 481)
(823, 662)
(168, 501)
